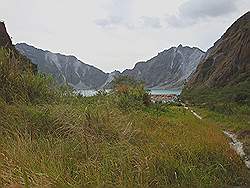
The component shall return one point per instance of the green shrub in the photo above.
(130, 93)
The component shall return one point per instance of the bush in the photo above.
(130, 93)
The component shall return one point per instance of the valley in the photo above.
(64, 123)
(170, 69)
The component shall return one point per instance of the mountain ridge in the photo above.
(226, 64)
(182, 60)
(64, 68)
(48, 61)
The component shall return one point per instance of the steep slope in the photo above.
(226, 66)
(7, 46)
(5, 40)
(65, 69)
(169, 69)
(111, 77)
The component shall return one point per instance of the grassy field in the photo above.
(92, 144)
(231, 117)
(228, 107)
(50, 137)
(237, 93)
(234, 118)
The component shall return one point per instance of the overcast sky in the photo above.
(115, 34)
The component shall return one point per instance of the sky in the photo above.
(115, 34)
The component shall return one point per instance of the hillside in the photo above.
(170, 69)
(5, 40)
(64, 69)
(224, 72)
(7, 47)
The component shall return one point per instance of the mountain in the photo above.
(5, 40)
(111, 77)
(225, 68)
(6, 44)
(169, 69)
(65, 69)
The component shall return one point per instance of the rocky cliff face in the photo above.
(228, 61)
(6, 43)
(224, 72)
(169, 69)
(5, 40)
(65, 69)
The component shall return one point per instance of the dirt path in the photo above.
(238, 147)
(235, 144)
(193, 112)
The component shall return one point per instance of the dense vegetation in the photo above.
(51, 137)
(237, 93)
(228, 106)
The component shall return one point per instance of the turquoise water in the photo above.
(88, 93)
(164, 92)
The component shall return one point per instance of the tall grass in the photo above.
(228, 106)
(19, 83)
(237, 93)
(68, 145)
(50, 137)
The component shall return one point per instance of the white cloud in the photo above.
(150, 22)
(108, 22)
(195, 11)
(122, 13)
